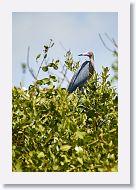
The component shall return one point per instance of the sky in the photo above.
(75, 31)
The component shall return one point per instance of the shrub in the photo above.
(54, 131)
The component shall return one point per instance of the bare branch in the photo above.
(63, 47)
(41, 66)
(105, 44)
(64, 73)
(29, 68)
(112, 40)
(115, 44)
(108, 38)
(64, 76)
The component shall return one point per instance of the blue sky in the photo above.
(76, 31)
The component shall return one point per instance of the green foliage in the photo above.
(53, 130)
(53, 64)
(115, 66)
(70, 63)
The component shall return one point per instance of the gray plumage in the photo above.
(83, 73)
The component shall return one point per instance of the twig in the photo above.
(115, 44)
(63, 47)
(40, 66)
(64, 73)
(105, 44)
(45, 55)
(29, 68)
(64, 77)
(112, 40)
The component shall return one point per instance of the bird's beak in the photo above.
(83, 54)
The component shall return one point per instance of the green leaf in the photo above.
(54, 65)
(79, 149)
(110, 144)
(45, 56)
(18, 166)
(45, 68)
(112, 130)
(65, 158)
(40, 155)
(80, 160)
(80, 135)
(52, 44)
(46, 48)
(57, 61)
(65, 147)
(38, 56)
(45, 81)
(52, 77)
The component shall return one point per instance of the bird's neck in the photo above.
(92, 61)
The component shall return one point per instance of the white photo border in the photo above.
(6, 174)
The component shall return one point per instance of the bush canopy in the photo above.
(53, 130)
(57, 131)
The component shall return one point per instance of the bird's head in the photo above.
(89, 54)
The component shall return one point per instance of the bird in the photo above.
(83, 73)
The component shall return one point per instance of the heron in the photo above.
(83, 73)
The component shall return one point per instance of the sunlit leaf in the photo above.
(80, 160)
(65, 147)
(45, 68)
(40, 155)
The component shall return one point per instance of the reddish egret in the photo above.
(83, 73)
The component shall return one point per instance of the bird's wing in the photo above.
(80, 77)
(70, 87)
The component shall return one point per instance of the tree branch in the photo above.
(105, 44)
(29, 68)
(41, 66)
(112, 40)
